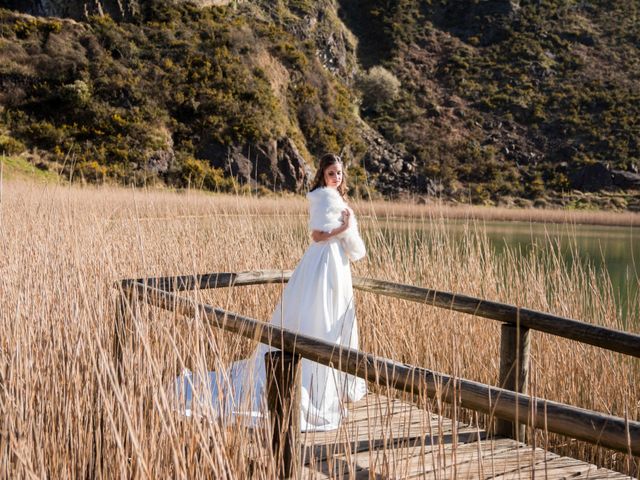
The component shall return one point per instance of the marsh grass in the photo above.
(65, 415)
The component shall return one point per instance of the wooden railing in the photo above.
(509, 403)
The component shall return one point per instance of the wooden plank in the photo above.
(409, 415)
(402, 429)
(604, 473)
(514, 461)
(429, 459)
(460, 461)
(407, 439)
(332, 471)
(605, 430)
(387, 418)
(364, 439)
(554, 467)
(315, 473)
(398, 445)
(383, 408)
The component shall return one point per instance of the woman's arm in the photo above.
(319, 236)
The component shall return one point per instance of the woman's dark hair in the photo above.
(326, 161)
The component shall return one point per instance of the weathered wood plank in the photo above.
(403, 462)
(555, 467)
(386, 417)
(470, 456)
(514, 461)
(365, 438)
(328, 470)
(384, 457)
(514, 372)
(283, 397)
(456, 461)
(391, 432)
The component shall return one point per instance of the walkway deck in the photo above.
(387, 438)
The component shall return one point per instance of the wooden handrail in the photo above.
(211, 280)
(605, 430)
(603, 337)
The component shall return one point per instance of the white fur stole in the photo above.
(325, 213)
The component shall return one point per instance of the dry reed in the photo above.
(65, 415)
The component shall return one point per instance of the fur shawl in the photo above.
(325, 210)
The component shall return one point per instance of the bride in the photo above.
(317, 301)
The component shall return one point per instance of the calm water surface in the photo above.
(613, 249)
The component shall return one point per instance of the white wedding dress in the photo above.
(318, 302)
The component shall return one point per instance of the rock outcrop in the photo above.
(277, 165)
(598, 176)
(79, 9)
(394, 172)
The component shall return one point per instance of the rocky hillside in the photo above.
(493, 102)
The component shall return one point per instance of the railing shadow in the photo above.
(320, 452)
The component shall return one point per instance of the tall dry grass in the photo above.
(65, 415)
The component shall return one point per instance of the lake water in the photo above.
(614, 249)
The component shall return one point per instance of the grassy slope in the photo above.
(19, 168)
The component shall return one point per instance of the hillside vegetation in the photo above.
(509, 98)
(489, 102)
(167, 98)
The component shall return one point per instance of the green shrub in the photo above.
(23, 28)
(43, 134)
(91, 171)
(378, 86)
(11, 146)
(199, 174)
(76, 94)
(535, 187)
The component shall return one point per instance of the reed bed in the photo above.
(437, 209)
(65, 414)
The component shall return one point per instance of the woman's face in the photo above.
(333, 175)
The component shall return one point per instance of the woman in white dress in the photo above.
(317, 301)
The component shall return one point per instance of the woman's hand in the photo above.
(319, 236)
(346, 219)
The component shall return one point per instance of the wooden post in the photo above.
(283, 398)
(514, 372)
(123, 307)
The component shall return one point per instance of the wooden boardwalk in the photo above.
(387, 438)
